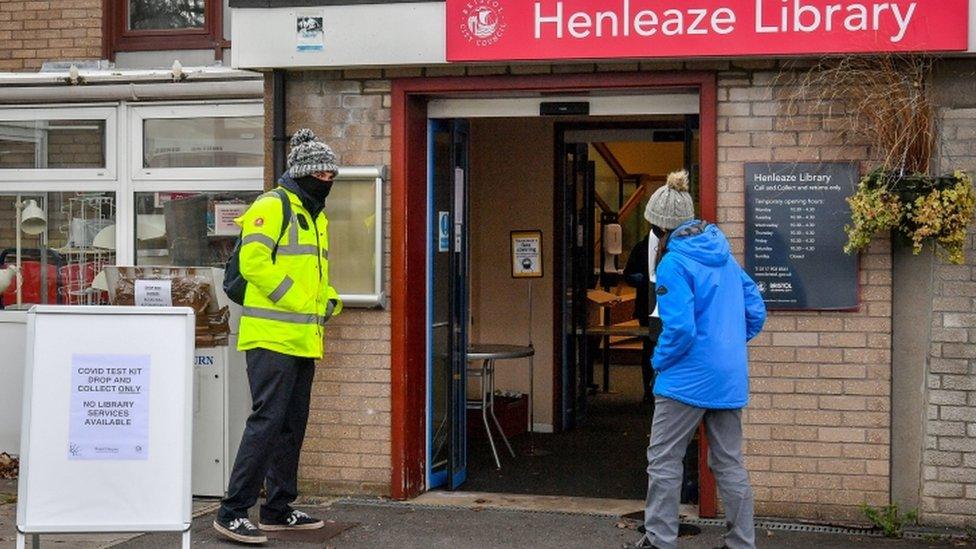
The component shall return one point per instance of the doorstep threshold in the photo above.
(538, 504)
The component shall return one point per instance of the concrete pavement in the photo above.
(443, 520)
(372, 524)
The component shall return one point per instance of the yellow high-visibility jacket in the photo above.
(287, 301)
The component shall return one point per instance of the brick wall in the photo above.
(818, 425)
(73, 148)
(8, 223)
(347, 449)
(32, 32)
(949, 459)
(18, 154)
(70, 144)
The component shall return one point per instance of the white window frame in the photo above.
(138, 114)
(107, 173)
(124, 175)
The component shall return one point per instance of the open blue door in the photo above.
(447, 306)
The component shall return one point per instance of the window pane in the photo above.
(353, 220)
(197, 229)
(166, 14)
(188, 229)
(65, 240)
(60, 144)
(203, 142)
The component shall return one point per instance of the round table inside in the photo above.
(498, 352)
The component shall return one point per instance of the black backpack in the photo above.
(235, 284)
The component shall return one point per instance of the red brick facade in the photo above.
(818, 424)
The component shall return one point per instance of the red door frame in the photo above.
(409, 235)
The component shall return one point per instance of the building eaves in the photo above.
(127, 76)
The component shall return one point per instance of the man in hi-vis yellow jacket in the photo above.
(287, 303)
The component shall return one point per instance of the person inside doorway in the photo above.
(709, 310)
(287, 301)
(639, 273)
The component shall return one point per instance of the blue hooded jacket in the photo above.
(709, 308)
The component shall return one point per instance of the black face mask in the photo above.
(316, 188)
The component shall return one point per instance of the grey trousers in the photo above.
(673, 426)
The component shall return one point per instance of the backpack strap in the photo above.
(285, 219)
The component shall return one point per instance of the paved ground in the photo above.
(370, 524)
(412, 527)
(8, 525)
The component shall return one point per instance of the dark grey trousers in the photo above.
(673, 426)
(281, 389)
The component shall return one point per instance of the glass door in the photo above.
(577, 276)
(447, 305)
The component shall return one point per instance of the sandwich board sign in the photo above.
(106, 436)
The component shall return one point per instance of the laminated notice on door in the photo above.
(459, 196)
(443, 231)
(154, 293)
(459, 202)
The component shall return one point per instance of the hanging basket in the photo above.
(918, 207)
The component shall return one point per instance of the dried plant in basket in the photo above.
(885, 101)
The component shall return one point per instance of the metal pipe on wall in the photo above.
(279, 131)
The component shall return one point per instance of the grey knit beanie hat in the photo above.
(310, 155)
(671, 205)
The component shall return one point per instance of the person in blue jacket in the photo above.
(710, 309)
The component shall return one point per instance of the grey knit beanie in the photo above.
(671, 205)
(310, 155)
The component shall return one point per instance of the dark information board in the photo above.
(795, 217)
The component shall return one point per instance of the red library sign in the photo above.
(511, 30)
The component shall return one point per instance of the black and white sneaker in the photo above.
(296, 520)
(240, 529)
(644, 543)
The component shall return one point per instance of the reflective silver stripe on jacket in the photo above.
(282, 289)
(281, 316)
(293, 247)
(260, 238)
(301, 249)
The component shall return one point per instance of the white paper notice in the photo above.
(527, 255)
(224, 216)
(154, 293)
(109, 407)
(309, 32)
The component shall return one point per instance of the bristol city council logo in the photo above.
(484, 22)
